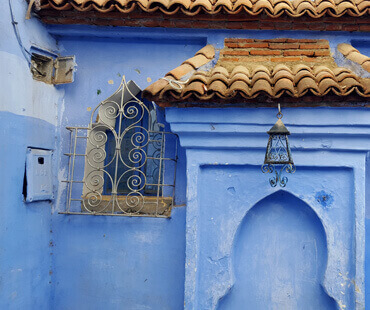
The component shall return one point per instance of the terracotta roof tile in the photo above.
(366, 85)
(357, 57)
(282, 85)
(273, 8)
(155, 88)
(241, 87)
(221, 70)
(282, 74)
(197, 61)
(251, 80)
(180, 71)
(219, 88)
(366, 65)
(200, 77)
(196, 87)
(239, 70)
(354, 55)
(208, 51)
(240, 77)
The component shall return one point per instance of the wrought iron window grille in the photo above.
(124, 162)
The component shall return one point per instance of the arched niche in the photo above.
(279, 258)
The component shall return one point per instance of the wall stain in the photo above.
(325, 199)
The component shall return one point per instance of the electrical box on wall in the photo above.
(53, 71)
(38, 177)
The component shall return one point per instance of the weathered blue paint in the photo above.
(324, 198)
(280, 254)
(25, 259)
(329, 158)
(108, 262)
(28, 112)
(52, 261)
(119, 263)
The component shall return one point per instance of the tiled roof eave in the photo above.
(308, 100)
(294, 83)
(294, 9)
(348, 90)
(265, 102)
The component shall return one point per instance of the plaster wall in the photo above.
(117, 262)
(227, 183)
(28, 117)
(52, 261)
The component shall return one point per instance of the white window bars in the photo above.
(123, 163)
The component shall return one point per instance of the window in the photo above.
(124, 162)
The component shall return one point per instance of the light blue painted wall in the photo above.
(225, 149)
(25, 253)
(282, 241)
(28, 117)
(116, 263)
(109, 262)
(52, 261)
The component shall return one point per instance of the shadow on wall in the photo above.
(362, 45)
(280, 256)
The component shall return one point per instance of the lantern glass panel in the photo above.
(278, 151)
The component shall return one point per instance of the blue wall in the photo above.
(52, 261)
(116, 263)
(367, 232)
(225, 183)
(109, 262)
(25, 259)
(28, 117)
(283, 227)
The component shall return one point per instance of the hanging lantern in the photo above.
(278, 157)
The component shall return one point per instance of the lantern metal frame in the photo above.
(278, 157)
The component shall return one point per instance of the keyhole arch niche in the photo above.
(279, 258)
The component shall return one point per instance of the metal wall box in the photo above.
(64, 70)
(53, 71)
(39, 175)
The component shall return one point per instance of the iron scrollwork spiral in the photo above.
(278, 170)
(98, 137)
(92, 200)
(132, 152)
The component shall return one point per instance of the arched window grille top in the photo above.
(124, 162)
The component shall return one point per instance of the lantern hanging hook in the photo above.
(279, 115)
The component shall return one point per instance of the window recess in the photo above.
(124, 162)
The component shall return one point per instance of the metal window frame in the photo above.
(93, 160)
